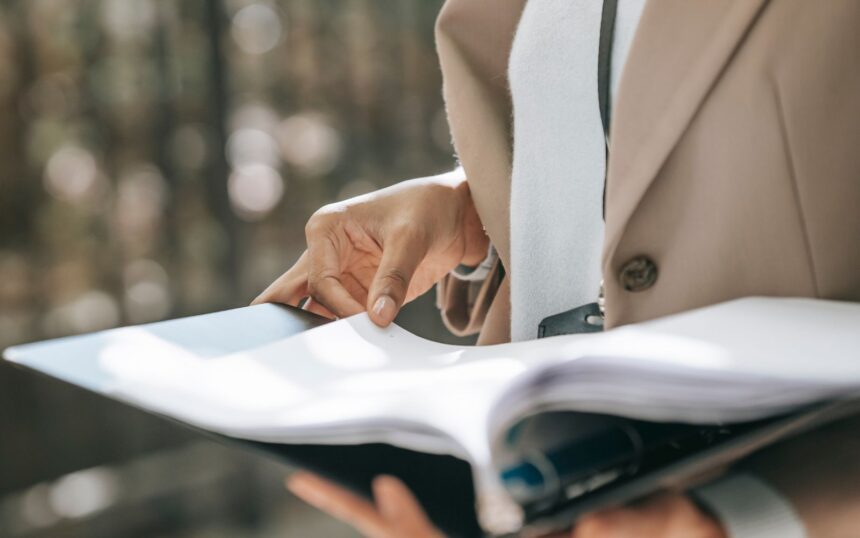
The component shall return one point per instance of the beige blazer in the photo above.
(734, 165)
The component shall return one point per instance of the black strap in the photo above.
(604, 74)
(604, 61)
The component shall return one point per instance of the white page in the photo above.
(350, 381)
(345, 382)
(736, 361)
(238, 373)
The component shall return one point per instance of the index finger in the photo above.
(289, 288)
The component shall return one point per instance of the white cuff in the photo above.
(479, 273)
(749, 508)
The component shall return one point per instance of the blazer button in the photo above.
(638, 274)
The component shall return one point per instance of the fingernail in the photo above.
(384, 309)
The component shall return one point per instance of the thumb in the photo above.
(390, 285)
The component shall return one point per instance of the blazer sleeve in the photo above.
(464, 302)
(473, 41)
(483, 306)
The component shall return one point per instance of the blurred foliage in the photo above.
(159, 158)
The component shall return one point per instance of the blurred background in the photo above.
(159, 158)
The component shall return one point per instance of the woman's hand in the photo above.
(668, 515)
(377, 251)
(395, 513)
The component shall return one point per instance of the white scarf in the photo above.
(558, 156)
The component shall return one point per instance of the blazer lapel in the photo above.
(679, 50)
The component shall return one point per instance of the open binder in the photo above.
(531, 433)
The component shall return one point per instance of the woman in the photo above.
(732, 171)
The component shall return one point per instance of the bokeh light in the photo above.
(147, 296)
(257, 28)
(253, 114)
(309, 143)
(248, 146)
(36, 508)
(92, 310)
(255, 190)
(82, 493)
(72, 175)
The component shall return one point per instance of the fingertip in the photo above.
(296, 479)
(386, 483)
(295, 475)
(384, 310)
(388, 493)
(302, 485)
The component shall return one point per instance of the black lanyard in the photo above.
(604, 75)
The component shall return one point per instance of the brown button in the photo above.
(638, 274)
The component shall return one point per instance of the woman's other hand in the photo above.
(378, 251)
(395, 513)
(668, 515)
